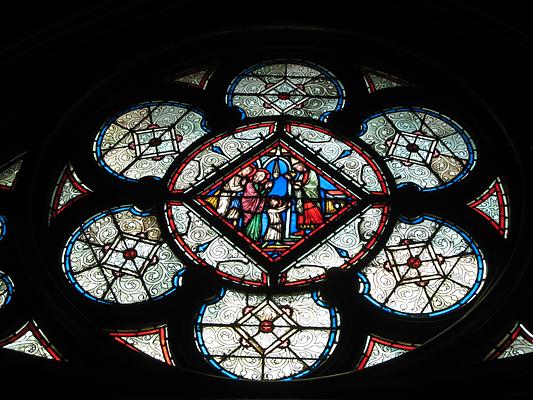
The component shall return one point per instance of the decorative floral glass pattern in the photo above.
(341, 249)
(264, 188)
(286, 87)
(144, 139)
(378, 351)
(272, 205)
(152, 342)
(197, 77)
(420, 146)
(376, 80)
(6, 289)
(343, 156)
(118, 256)
(266, 337)
(518, 342)
(204, 244)
(216, 153)
(493, 205)
(30, 340)
(69, 189)
(9, 172)
(428, 267)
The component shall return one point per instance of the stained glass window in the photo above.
(286, 87)
(379, 350)
(377, 80)
(6, 290)
(214, 154)
(30, 340)
(341, 249)
(493, 205)
(428, 267)
(198, 77)
(420, 146)
(518, 342)
(283, 213)
(274, 199)
(144, 139)
(346, 158)
(118, 256)
(152, 342)
(205, 245)
(264, 337)
(69, 189)
(9, 172)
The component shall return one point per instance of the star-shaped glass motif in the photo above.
(284, 95)
(412, 148)
(266, 327)
(130, 255)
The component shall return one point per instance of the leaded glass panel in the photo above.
(30, 340)
(9, 172)
(266, 337)
(379, 350)
(493, 205)
(428, 267)
(420, 146)
(152, 342)
(118, 256)
(144, 139)
(285, 87)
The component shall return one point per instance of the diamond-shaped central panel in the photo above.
(276, 199)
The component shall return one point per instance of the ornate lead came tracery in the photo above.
(273, 205)
(287, 87)
(420, 146)
(144, 139)
(266, 337)
(118, 256)
(428, 267)
(276, 199)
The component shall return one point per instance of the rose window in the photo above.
(280, 232)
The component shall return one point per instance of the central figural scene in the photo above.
(277, 199)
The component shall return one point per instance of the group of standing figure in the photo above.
(244, 198)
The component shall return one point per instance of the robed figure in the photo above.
(306, 189)
(253, 202)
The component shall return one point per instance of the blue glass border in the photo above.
(467, 139)
(67, 268)
(335, 322)
(10, 288)
(3, 227)
(341, 99)
(473, 291)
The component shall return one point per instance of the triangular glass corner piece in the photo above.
(9, 172)
(377, 80)
(493, 205)
(152, 342)
(68, 190)
(276, 200)
(30, 340)
(197, 78)
(378, 350)
(517, 342)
